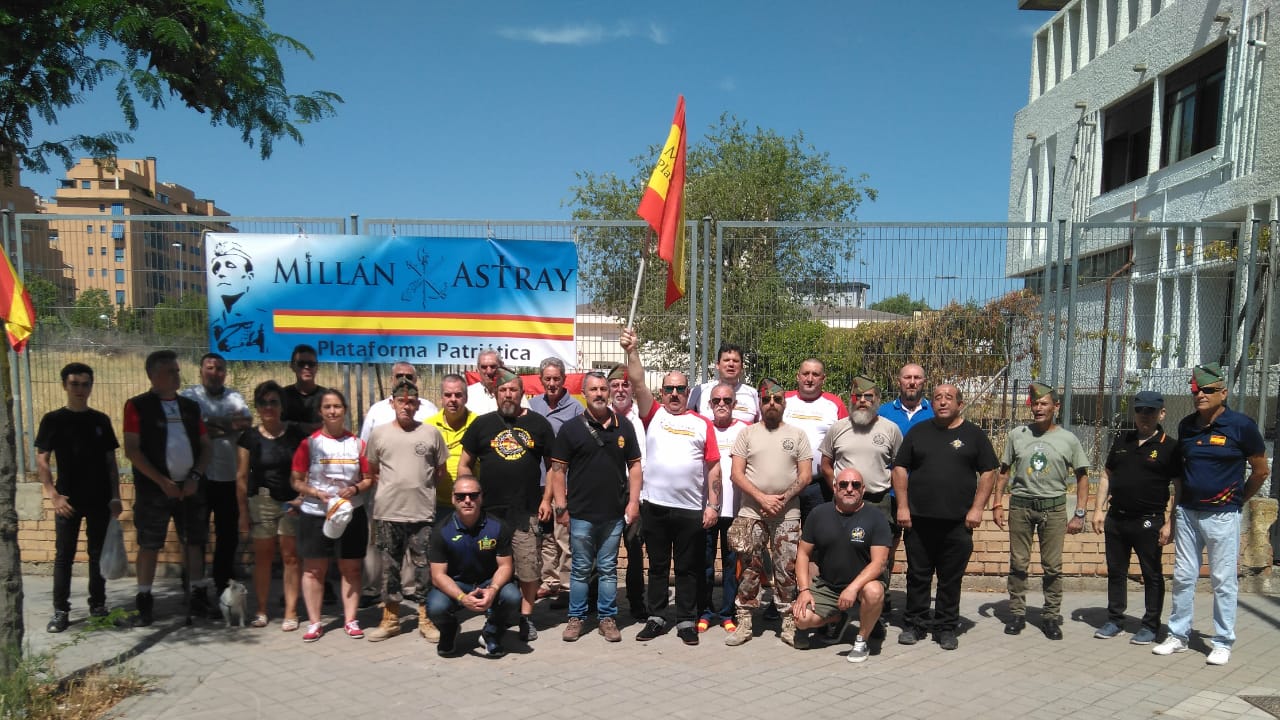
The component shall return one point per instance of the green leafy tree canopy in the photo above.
(217, 56)
(900, 304)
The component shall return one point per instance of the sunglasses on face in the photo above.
(305, 364)
(849, 484)
(268, 403)
(676, 389)
(472, 496)
(1207, 390)
(868, 396)
(776, 399)
(1146, 411)
(721, 401)
(404, 376)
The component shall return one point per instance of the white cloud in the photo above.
(584, 33)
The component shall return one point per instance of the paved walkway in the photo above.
(208, 671)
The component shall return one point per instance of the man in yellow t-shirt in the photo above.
(452, 421)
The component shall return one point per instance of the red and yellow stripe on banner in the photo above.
(429, 324)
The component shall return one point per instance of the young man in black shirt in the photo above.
(302, 398)
(850, 541)
(943, 475)
(1133, 510)
(83, 446)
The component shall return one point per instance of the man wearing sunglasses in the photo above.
(850, 543)
(1132, 513)
(471, 571)
(772, 462)
(302, 398)
(730, 369)
(1038, 462)
(679, 498)
(727, 428)
(1217, 445)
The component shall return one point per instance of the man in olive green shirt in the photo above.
(1040, 457)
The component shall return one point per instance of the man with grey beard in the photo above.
(868, 443)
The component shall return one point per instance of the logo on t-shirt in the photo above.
(858, 535)
(788, 444)
(622, 442)
(511, 443)
(880, 439)
(1039, 462)
(1153, 455)
(421, 449)
(957, 443)
(1218, 440)
(486, 543)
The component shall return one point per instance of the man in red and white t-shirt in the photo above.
(680, 497)
(814, 411)
(727, 427)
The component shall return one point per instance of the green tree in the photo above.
(216, 56)
(92, 309)
(44, 297)
(186, 317)
(734, 172)
(900, 304)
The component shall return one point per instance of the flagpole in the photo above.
(635, 296)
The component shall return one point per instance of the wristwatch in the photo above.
(1080, 513)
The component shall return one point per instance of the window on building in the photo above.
(1193, 106)
(53, 237)
(117, 208)
(119, 254)
(102, 207)
(90, 249)
(119, 277)
(90, 272)
(164, 199)
(102, 251)
(119, 297)
(88, 229)
(1126, 141)
(86, 185)
(117, 231)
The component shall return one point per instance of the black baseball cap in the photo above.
(1149, 399)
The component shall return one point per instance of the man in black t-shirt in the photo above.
(506, 449)
(1140, 467)
(302, 398)
(83, 446)
(599, 451)
(942, 476)
(850, 541)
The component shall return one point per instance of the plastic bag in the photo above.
(113, 562)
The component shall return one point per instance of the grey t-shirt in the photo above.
(1041, 464)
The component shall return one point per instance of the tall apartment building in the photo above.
(139, 263)
(38, 257)
(1158, 111)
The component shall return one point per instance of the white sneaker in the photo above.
(859, 652)
(1171, 645)
(1219, 655)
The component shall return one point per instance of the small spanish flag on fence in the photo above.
(663, 206)
(15, 306)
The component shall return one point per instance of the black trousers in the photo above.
(1139, 534)
(674, 535)
(220, 501)
(635, 569)
(942, 548)
(66, 533)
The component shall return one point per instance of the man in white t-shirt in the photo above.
(772, 462)
(680, 497)
(814, 411)
(729, 369)
(481, 397)
(727, 428)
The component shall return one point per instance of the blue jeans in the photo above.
(502, 614)
(1193, 532)
(718, 535)
(594, 545)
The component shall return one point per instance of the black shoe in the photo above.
(199, 603)
(1053, 629)
(61, 619)
(655, 627)
(1016, 625)
(687, 635)
(145, 604)
(491, 642)
(877, 630)
(771, 612)
(368, 601)
(911, 635)
(99, 610)
(947, 639)
(448, 639)
(528, 632)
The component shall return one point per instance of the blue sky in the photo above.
(486, 110)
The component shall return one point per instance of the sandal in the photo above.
(259, 621)
(289, 624)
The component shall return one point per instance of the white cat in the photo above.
(232, 602)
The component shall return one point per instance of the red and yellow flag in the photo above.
(15, 306)
(663, 206)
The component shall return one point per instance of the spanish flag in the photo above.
(663, 206)
(15, 306)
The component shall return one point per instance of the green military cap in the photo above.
(1206, 374)
(619, 372)
(769, 386)
(404, 387)
(1037, 390)
(506, 375)
(863, 384)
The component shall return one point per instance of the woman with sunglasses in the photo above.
(331, 463)
(268, 502)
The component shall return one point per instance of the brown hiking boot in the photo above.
(609, 629)
(573, 630)
(742, 633)
(425, 626)
(390, 625)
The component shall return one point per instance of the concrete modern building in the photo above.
(1155, 111)
(38, 257)
(137, 263)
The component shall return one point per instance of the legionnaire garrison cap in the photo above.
(862, 384)
(1037, 390)
(1206, 374)
(506, 375)
(1149, 399)
(769, 386)
(619, 372)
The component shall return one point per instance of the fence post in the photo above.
(706, 292)
(692, 297)
(1069, 358)
(719, 281)
(1264, 381)
(1057, 301)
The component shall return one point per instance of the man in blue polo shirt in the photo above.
(1216, 444)
(911, 407)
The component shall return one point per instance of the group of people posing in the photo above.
(496, 500)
